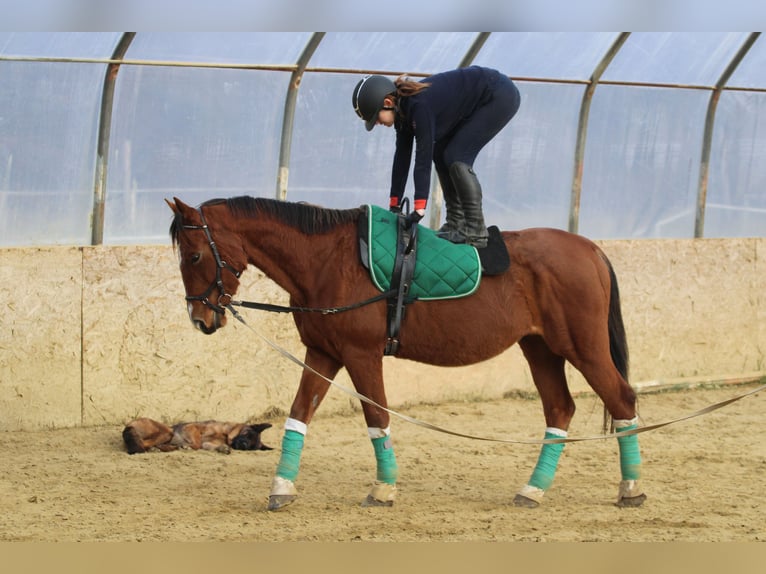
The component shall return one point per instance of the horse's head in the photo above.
(211, 259)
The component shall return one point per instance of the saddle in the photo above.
(415, 264)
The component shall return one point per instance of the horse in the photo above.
(559, 300)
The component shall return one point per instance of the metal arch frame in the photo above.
(582, 129)
(118, 59)
(717, 90)
(707, 142)
(474, 50)
(105, 124)
(288, 119)
(104, 132)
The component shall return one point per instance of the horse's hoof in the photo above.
(529, 497)
(279, 501)
(522, 501)
(283, 493)
(630, 495)
(382, 494)
(371, 501)
(631, 501)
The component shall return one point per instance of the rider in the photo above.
(450, 117)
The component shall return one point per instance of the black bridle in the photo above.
(224, 299)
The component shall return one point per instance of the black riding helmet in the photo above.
(368, 98)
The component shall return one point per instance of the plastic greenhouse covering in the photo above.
(619, 135)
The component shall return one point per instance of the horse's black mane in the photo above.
(307, 218)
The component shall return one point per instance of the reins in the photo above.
(285, 353)
(225, 299)
(322, 310)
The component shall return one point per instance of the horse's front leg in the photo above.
(366, 372)
(311, 391)
(558, 406)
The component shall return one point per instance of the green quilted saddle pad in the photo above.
(443, 270)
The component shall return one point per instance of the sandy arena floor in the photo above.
(703, 477)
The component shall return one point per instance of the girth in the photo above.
(401, 280)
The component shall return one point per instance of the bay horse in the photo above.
(559, 300)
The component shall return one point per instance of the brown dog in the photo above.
(143, 434)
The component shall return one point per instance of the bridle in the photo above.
(224, 299)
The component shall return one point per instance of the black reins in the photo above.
(322, 310)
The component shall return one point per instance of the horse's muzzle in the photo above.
(201, 322)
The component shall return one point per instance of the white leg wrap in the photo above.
(282, 486)
(622, 423)
(532, 493)
(375, 432)
(296, 425)
(629, 489)
(383, 492)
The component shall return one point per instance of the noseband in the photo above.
(224, 299)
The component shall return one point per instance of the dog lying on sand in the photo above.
(143, 434)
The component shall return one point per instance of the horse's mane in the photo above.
(307, 218)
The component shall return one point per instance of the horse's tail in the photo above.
(618, 342)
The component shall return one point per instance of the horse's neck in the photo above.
(293, 259)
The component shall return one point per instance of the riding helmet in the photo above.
(368, 98)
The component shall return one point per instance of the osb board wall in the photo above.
(693, 307)
(101, 335)
(40, 343)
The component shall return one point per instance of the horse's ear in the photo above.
(172, 205)
(179, 207)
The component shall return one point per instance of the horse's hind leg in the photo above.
(620, 400)
(366, 371)
(550, 379)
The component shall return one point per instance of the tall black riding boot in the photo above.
(454, 228)
(469, 192)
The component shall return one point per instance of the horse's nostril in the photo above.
(204, 328)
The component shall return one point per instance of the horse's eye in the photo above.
(195, 258)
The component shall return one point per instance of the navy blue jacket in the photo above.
(428, 117)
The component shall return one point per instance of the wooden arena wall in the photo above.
(100, 335)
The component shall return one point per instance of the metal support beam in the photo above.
(473, 51)
(582, 129)
(289, 117)
(707, 141)
(104, 131)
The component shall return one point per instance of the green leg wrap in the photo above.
(289, 462)
(384, 455)
(630, 455)
(542, 476)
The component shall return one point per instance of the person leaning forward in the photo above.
(448, 118)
